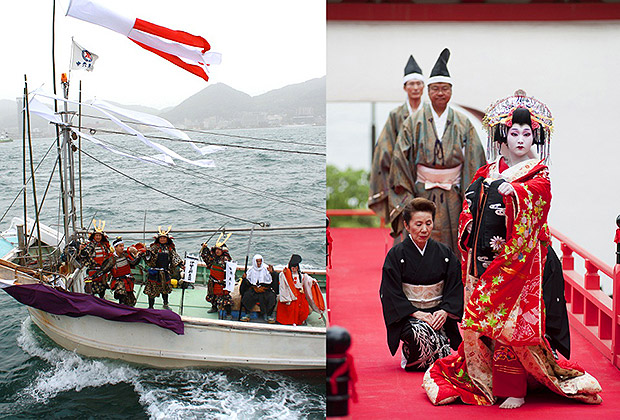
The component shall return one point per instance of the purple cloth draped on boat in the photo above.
(75, 305)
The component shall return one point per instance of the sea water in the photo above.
(38, 379)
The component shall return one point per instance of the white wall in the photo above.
(573, 67)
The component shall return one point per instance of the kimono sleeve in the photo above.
(380, 169)
(452, 301)
(474, 156)
(395, 304)
(401, 178)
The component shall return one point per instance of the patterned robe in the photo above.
(418, 144)
(155, 286)
(381, 161)
(216, 294)
(504, 305)
(93, 255)
(122, 283)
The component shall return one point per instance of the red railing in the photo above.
(591, 312)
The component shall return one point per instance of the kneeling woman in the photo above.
(421, 292)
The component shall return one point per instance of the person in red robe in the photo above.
(295, 300)
(503, 238)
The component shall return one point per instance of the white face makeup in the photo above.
(519, 143)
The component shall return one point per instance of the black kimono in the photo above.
(404, 264)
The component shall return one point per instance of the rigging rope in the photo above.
(150, 136)
(190, 130)
(49, 182)
(170, 195)
(264, 194)
(27, 181)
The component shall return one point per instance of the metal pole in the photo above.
(58, 147)
(373, 130)
(182, 292)
(34, 185)
(247, 255)
(25, 250)
(80, 154)
(144, 229)
(67, 149)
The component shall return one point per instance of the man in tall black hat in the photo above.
(436, 155)
(413, 85)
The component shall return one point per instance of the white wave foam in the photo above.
(170, 394)
(232, 395)
(68, 370)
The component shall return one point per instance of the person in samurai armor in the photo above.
(215, 258)
(93, 255)
(162, 257)
(120, 265)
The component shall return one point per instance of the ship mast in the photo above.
(65, 150)
(68, 162)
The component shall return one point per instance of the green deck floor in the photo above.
(194, 304)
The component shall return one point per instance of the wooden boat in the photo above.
(190, 336)
(206, 341)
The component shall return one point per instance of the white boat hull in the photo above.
(206, 343)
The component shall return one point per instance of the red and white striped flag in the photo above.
(188, 51)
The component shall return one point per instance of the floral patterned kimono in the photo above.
(503, 322)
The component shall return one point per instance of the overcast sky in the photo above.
(265, 45)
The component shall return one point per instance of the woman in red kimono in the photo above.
(503, 238)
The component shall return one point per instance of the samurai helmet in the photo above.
(98, 228)
(221, 244)
(161, 232)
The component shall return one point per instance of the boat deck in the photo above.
(195, 305)
(387, 391)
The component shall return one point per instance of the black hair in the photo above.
(520, 116)
(416, 205)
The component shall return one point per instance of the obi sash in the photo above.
(439, 178)
(424, 296)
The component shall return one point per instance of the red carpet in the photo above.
(385, 391)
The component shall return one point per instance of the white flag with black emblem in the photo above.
(81, 58)
(231, 269)
(191, 268)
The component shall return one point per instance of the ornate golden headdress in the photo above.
(498, 116)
